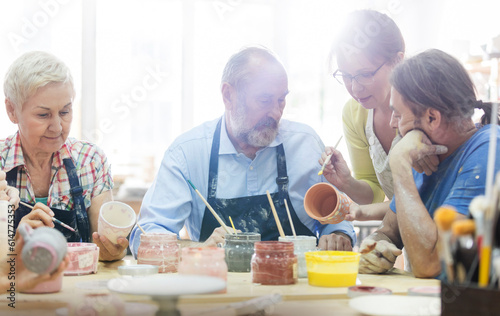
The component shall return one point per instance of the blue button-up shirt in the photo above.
(171, 203)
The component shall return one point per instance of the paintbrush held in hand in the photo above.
(55, 220)
(328, 158)
(217, 217)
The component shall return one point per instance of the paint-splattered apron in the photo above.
(251, 213)
(76, 218)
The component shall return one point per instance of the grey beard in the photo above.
(262, 138)
(255, 137)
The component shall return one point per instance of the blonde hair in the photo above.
(31, 71)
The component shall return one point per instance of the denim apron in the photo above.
(250, 213)
(76, 218)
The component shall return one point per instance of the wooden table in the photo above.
(298, 299)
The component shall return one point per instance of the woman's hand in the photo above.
(355, 213)
(3, 182)
(109, 251)
(12, 196)
(8, 193)
(40, 215)
(336, 170)
(26, 279)
(3, 189)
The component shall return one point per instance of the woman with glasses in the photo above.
(367, 49)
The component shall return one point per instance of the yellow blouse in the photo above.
(354, 118)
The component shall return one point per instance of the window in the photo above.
(146, 71)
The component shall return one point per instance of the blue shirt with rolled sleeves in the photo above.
(170, 203)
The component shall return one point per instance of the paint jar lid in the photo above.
(425, 291)
(360, 290)
(138, 270)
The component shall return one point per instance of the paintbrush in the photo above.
(55, 220)
(329, 157)
(137, 223)
(290, 218)
(232, 224)
(491, 197)
(210, 208)
(462, 230)
(276, 218)
(477, 208)
(444, 217)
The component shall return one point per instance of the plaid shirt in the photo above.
(91, 164)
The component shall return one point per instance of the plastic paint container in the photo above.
(83, 258)
(301, 245)
(332, 268)
(239, 249)
(159, 249)
(274, 263)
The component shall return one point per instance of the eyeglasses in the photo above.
(365, 78)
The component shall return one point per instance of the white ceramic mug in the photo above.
(116, 219)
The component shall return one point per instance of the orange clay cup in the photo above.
(326, 203)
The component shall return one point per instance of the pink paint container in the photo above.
(159, 249)
(208, 261)
(53, 286)
(83, 258)
(274, 263)
(204, 261)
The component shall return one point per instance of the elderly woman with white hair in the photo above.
(58, 175)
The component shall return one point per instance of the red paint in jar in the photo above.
(159, 249)
(274, 263)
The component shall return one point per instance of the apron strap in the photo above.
(214, 164)
(11, 177)
(68, 217)
(248, 208)
(282, 179)
(78, 201)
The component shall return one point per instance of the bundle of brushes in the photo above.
(444, 217)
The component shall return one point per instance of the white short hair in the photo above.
(236, 70)
(31, 71)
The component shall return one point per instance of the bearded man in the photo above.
(235, 159)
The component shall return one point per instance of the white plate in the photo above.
(166, 285)
(131, 309)
(396, 305)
